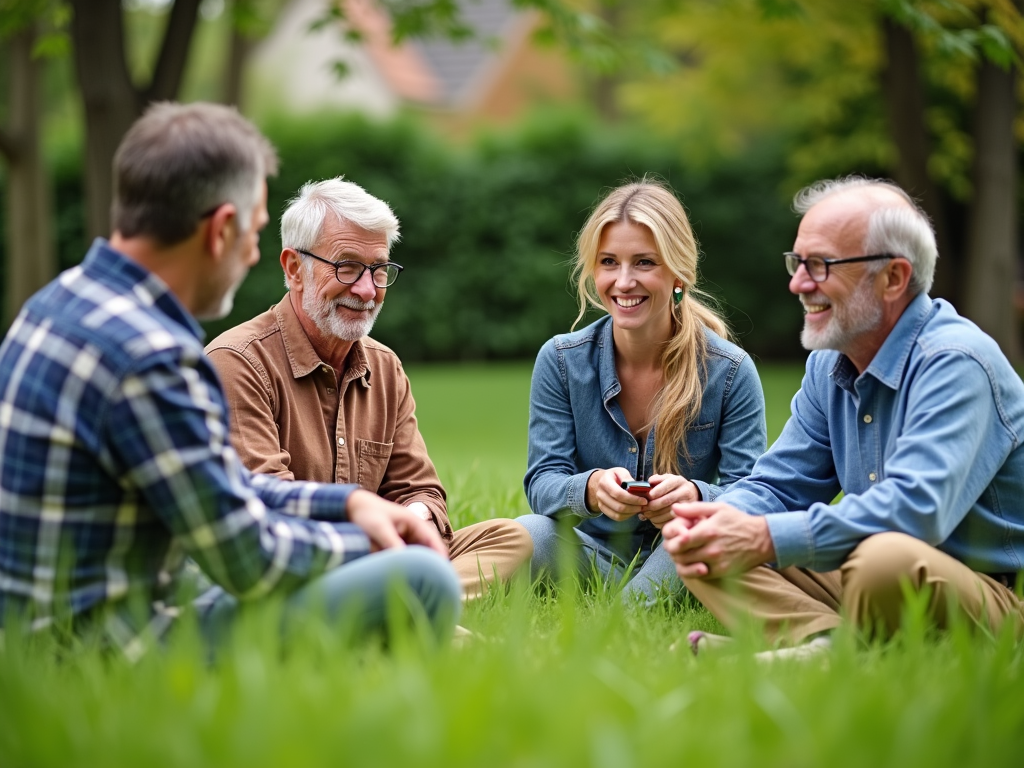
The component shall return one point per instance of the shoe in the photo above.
(701, 642)
(818, 648)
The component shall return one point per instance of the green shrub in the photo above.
(488, 227)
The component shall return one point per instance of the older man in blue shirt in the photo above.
(907, 408)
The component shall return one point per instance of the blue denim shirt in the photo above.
(927, 442)
(577, 426)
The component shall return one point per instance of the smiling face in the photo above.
(844, 311)
(341, 312)
(632, 280)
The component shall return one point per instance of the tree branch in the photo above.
(170, 64)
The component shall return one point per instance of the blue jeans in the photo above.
(654, 573)
(358, 593)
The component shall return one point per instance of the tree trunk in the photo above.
(904, 102)
(992, 238)
(110, 100)
(239, 47)
(31, 260)
(606, 84)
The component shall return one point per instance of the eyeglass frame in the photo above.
(801, 261)
(363, 267)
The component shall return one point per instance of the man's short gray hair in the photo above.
(903, 231)
(178, 162)
(303, 219)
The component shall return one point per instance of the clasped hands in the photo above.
(606, 495)
(712, 540)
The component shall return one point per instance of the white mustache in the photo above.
(350, 302)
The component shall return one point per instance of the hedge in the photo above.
(488, 227)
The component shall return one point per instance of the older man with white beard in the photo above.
(908, 409)
(312, 397)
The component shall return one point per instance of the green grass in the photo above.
(566, 680)
(474, 420)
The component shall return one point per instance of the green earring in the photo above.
(677, 294)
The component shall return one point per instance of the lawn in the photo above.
(572, 679)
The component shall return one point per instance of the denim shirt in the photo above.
(577, 426)
(926, 441)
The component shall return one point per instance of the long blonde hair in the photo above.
(683, 359)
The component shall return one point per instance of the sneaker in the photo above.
(818, 648)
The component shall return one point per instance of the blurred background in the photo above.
(492, 127)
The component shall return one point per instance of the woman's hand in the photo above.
(606, 495)
(667, 490)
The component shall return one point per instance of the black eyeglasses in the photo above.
(817, 267)
(348, 272)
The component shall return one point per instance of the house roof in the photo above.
(458, 64)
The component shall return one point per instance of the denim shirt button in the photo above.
(872, 477)
(632, 449)
(867, 419)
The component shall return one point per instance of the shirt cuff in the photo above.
(791, 537)
(329, 502)
(577, 497)
(707, 491)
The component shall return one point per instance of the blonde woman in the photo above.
(652, 392)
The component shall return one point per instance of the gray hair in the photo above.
(178, 162)
(303, 219)
(904, 231)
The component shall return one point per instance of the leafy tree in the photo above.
(922, 91)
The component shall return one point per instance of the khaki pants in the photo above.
(793, 603)
(480, 550)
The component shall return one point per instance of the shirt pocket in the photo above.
(373, 463)
(700, 441)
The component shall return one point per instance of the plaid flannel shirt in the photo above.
(115, 464)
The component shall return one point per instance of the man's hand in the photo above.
(391, 525)
(667, 490)
(606, 495)
(711, 540)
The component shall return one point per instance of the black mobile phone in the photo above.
(637, 487)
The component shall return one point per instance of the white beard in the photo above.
(859, 313)
(323, 313)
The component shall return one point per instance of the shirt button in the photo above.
(632, 449)
(325, 368)
(330, 390)
(341, 442)
(867, 418)
(872, 477)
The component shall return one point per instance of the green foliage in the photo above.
(809, 74)
(488, 231)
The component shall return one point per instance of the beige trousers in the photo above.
(793, 603)
(479, 551)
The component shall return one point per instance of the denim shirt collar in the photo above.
(890, 361)
(610, 386)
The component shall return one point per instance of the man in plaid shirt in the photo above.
(115, 463)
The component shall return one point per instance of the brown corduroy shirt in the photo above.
(291, 418)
